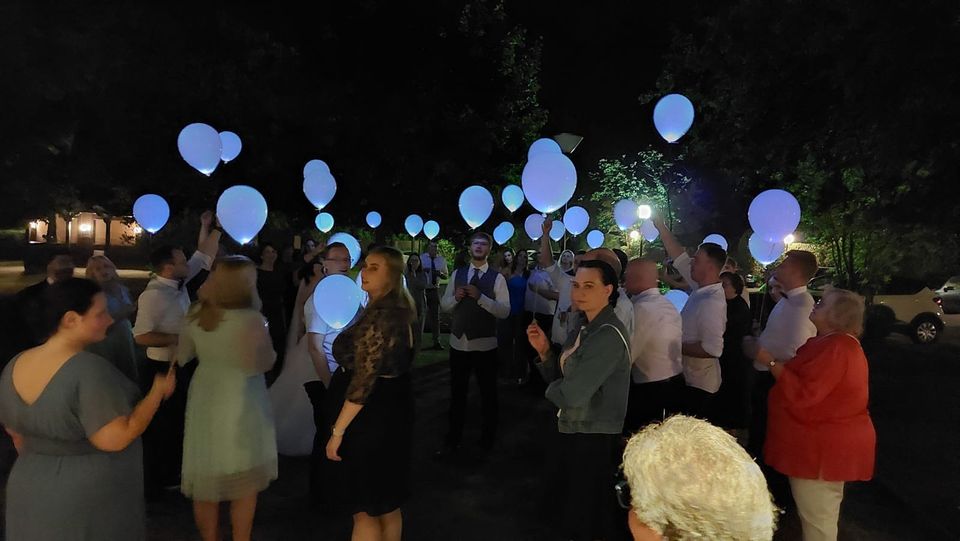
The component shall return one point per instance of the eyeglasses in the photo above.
(623, 494)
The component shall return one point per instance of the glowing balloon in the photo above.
(673, 116)
(644, 212)
(533, 225)
(677, 298)
(200, 146)
(716, 238)
(413, 224)
(576, 220)
(319, 187)
(151, 212)
(512, 197)
(557, 230)
(503, 232)
(649, 231)
(549, 181)
(625, 214)
(315, 166)
(431, 229)
(476, 204)
(374, 219)
(352, 244)
(242, 211)
(774, 214)
(543, 146)
(594, 239)
(765, 251)
(324, 222)
(230, 146)
(337, 300)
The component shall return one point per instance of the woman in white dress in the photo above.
(291, 404)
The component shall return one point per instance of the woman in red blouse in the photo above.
(819, 431)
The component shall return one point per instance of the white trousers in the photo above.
(818, 503)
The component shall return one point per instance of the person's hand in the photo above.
(546, 226)
(538, 340)
(764, 357)
(333, 448)
(459, 294)
(206, 218)
(165, 384)
(659, 223)
(471, 291)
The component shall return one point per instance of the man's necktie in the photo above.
(475, 281)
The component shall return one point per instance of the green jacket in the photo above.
(592, 389)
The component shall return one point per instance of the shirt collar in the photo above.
(483, 269)
(175, 284)
(647, 293)
(796, 291)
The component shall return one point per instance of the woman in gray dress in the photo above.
(76, 424)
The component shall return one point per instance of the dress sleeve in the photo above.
(103, 394)
(378, 338)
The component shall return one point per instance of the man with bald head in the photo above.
(656, 348)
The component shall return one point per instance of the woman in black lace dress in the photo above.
(370, 403)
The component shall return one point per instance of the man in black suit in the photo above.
(27, 314)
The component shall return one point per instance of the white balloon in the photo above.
(765, 251)
(625, 213)
(200, 146)
(774, 214)
(503, 232)
(230, 146)
(320, 188)
(533, 225)
(476, 204)
(315, 166)
(644, 212)
(595, 239)
(337, 300)
(324, 222)
(242, 211)
(549, 181)
(649, 231)
(431, 229)
(717, 239)
(413, 224)
(557, 230)
(374, 219)
(151, 211)
(512, 197)
(576, 220)
(541, 146)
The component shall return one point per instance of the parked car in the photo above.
(949, 294)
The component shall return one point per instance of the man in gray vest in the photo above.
(477, 296)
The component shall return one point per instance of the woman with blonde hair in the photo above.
(118, 346)
(229, 444)
(366, 470)
(819, 432)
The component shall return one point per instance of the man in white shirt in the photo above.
(435, 268)
(161, 310)
(656, 347)
(320, 335)
(477, 296)
(788, 328)
(704, 319)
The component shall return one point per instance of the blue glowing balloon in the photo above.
(413, 224)
(242, 211)
(352, 244)
(543, 146)
(476, 204)
(431, 229)
(717, 239)
(319, 187)
(677, 298)
(512, 197)
(765, 251)
(673, 116)
(151, 212)
(549, 181)
(557, 230)
(576, 220)
(315, 166)
(649, 231)
(594, 239)
(533, 225)
(230, 146)
(374, 219)
(324, 222)
(503, 232)
(200, 146)
(625, 214)
(774, 214)
(337, 300)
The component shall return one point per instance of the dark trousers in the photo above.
(163, 438)
(433, 314)
(698, 403)
(462, 364)
(778, 483)
(652, 402)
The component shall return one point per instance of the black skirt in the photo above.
(374, 474)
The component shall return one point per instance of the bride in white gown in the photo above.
(291, 405)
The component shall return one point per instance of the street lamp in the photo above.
(789, 239)
(634, 235)
(644, 212)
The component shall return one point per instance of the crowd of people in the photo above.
(702, 416)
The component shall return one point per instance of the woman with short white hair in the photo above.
(819, 432)
(691, 480)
